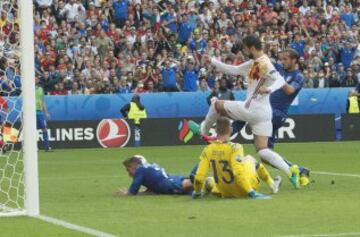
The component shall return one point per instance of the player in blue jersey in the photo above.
(282, 99)
(154, 178)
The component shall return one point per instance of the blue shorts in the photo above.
(176, 184)
(40, 120)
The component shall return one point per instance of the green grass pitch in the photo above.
(77, 186)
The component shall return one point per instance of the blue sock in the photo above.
(290, 164)
(46, 139)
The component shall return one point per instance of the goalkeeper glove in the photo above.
(255, 195)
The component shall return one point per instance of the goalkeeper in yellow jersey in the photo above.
(235, 175)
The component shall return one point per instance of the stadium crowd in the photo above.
(123, 46)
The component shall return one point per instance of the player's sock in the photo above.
(275, 160)
(264, 174)
(210, 119)
(46, 140)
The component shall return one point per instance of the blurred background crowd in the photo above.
(142, 46)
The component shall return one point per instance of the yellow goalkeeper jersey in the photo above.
(233, 177)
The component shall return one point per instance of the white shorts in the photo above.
(257, 116)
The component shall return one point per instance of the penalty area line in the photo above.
(326, 235)
(336, 174)
(75, 227)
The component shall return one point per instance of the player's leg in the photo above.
(263, 130)
(278, 120)
(193, 173)
(180, 185)
(41, 124)
(209, 186)
(261, 171)
(233, 109)
(216, 107)
(237, 126)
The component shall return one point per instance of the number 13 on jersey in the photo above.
(225, 172)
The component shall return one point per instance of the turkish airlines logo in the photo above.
(113, 133)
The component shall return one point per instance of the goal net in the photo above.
(13, 102)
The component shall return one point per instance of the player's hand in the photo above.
(121, 192)
(255, 195)
(263, 90)
(196, 195)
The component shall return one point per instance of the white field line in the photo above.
(71, 226)
(326, 235)
(336, 234)
(336, 174)
(79, 177)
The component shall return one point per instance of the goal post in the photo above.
(29, 145)
(19, 181)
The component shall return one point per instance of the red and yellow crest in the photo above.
(257, 70)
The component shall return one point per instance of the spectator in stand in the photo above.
(190, 73)
(334, 80)
(350, 79)
(185, 29)
(203, 86)
(221, 91)
(168, 74)
(120, 12)
(197, 44)
(96, 42)
(347, 53)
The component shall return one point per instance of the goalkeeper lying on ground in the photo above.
(154, 178)
(234, 174)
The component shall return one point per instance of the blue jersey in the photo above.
(279, 99)
(154, 178)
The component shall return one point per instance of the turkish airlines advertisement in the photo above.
(117, 133)
(107, 133)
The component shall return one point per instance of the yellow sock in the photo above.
(264, 174)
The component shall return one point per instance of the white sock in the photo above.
(210, 119)
(274, 159)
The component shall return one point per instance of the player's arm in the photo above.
(201, 172)
(278, 83)
(294, 85)
(241, 69)
(125, 192)
(136, 183)
(288, 89)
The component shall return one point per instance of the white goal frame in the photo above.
(29, 145)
